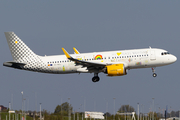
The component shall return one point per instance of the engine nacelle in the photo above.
(115, 70)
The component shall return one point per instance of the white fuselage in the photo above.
(132, 59)
(112, 63)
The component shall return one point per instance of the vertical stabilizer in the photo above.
(23, 56)
(19, 50)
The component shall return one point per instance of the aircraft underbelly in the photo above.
(63, 68)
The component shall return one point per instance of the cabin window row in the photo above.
(130, 56)
(101, 59)
(118, 57)
(59, 61)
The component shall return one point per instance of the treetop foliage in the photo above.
(65, 107)
(126, 108)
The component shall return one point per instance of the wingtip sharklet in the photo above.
(76, 51)
(66, 53)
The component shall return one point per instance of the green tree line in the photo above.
(61, 112)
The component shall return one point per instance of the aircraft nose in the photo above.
(173, 59)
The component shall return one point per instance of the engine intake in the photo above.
(115, 70)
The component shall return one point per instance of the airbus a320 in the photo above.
(112, 63)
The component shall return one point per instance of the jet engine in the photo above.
(115, 70)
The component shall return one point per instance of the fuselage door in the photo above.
(152, 55)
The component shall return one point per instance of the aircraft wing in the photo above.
(89, 65)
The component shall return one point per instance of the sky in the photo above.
(91, 26)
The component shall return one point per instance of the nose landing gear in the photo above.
(95, 78)
(154, 74)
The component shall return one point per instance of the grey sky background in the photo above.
(91, 26)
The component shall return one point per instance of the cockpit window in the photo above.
(164, 53)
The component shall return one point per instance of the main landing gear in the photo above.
(154, 74)
(95, 78)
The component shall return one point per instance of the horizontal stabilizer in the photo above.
(14, 64)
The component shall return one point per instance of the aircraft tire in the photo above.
(154, 75)
(95, 79)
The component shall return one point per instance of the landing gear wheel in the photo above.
(154, 74)
(95, 79)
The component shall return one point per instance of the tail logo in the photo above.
(16, 41)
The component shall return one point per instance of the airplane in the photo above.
(112, 63)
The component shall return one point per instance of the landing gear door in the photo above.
(152, 55)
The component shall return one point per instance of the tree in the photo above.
(173, 114)
(65, 107)
(107, 114)
(126, 108)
